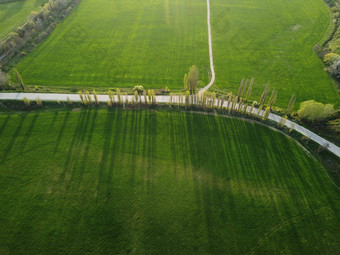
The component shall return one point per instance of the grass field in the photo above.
(146, 182)
(120, 44)
(15, 13)
(273, 42)
(107, 43)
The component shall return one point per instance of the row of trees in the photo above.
(35, 29)
(117, 98)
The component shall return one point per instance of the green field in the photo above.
(273, 42)
(120, 44)
(107, 43)
(147, 182)
(15, 13)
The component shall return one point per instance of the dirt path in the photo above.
(211, 58)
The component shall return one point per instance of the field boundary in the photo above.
(331, 147)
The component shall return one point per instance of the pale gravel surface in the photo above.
(212, 69)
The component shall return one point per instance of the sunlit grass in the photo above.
(273, 42)
(106, 43)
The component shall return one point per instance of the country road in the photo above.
(211, 57)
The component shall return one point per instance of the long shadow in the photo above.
(105, 150)
(74, 148)
(118, 130)
(13, 139)
(135, 140)
(199, 156)
(61, 132)
(173, 141)
(53, 121)
(151, 148)
(87, 148)
(4, 124)
(77, 149)
(28, 132)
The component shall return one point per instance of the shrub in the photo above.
(335, 69)
(330, 58)
(4, 80)
(138, 88)
(74, 89)
(314, 111)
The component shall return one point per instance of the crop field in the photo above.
(273, 42)
(104, 181)
(14, 14)
(105, 43)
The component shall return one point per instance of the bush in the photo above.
(74, 89)
(4, 80)
(315, 111)
(330, 58)
(139, 89)
(335, 69)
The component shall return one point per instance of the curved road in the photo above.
(211, 58)
(165, 99)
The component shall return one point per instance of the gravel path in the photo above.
(164, 99)
(211, 58)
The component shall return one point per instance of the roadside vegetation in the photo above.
(13, 13)
(36, 28)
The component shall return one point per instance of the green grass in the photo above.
(15, 13)
(146, 182)
(105, 43)
(273, 42)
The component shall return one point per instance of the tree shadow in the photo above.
(13, 138)
(61, 132)
(28, 133)
(74, 149)
(4, 123)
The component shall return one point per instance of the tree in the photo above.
(250, 89)
(95, 96)
(315, 111)
(185, 81)
(193, 78)
(19, 78)
(335, 69)
(26, 101)
(266, 113)
(330, 58)
(138, 88)
(4, 80)
(290, 105)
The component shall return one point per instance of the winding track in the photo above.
(211, 58)
(165, 99)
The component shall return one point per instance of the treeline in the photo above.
(38, 25)
(329, 50)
